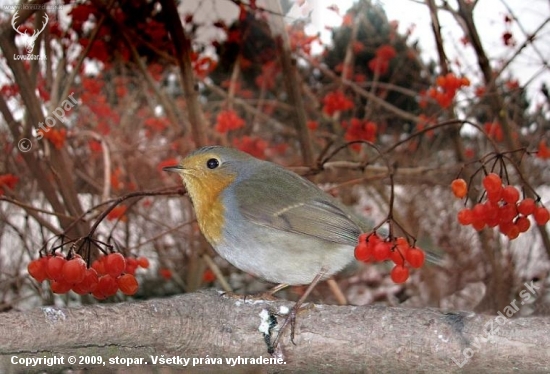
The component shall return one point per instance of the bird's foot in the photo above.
(267, 296)
(290, 320)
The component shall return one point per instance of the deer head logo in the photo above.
(30, 39)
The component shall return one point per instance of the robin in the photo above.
(266, 220)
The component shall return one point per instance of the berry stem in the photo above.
(521, 177)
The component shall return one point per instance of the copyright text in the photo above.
(153, 360)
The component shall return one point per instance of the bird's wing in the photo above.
(282, 200)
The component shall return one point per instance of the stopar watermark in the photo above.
(502, 318)
(25, 144)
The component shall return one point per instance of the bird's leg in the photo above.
(291, 318)
(266, 295)
(277, 288)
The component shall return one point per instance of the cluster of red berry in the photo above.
(107, 275)
(228, 120)
(381, 63)
(335, 102)
(502, 207)
(373, 248)
(9, 181)
(446, 88)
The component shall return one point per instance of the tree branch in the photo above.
(182, 46)
(370, 338)
(292, 79)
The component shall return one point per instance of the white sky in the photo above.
(489, 18)
(489, 15)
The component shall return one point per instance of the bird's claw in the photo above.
(290, 319)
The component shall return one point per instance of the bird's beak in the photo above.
(173, 169)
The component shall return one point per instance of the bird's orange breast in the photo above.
(205, 192)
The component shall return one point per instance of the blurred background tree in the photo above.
(152, 87)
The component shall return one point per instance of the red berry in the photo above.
(165, 273)
(143, 262)
(74, 271)
(527, 206)
(88, 284)
(397, 256)
(60, 287)
(127, 284)
(508, 212)
(37, 268)
(495, 196)
(373, 239)
(415, 257)
(115, 264)
(480, 216)
(479, 212)
(513, 232)
(491, 209)
(54, 270)
(131, 265)
(79, 289)
(208, 276)
(523, 223)
(381, 251)
(363, 237)
(493, 221)
(91, 279)
(465, 217)
(510, 194)
(492, 183)
(459, 187)
(362, 252)
(478, 225)
(505, 227)
(106, 286)
(541, 215)
(402, 244)
(399, 274)
(98, 295)
(399, 251)
(99, 265)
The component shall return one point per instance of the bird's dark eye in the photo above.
(212, 163)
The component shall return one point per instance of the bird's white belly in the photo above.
(282, 257)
